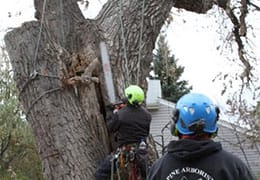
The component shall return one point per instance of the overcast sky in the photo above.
(193, 42)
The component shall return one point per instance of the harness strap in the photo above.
(125, 162)
(118, 169)
(133, 172)
(112, 169)
(121, 161)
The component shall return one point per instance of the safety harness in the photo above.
(127, 162)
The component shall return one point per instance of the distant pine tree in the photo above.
(168, 72)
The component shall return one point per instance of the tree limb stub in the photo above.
(198, 6)
(73, 125)
(83, 76)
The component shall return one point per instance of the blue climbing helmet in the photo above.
(196, 112)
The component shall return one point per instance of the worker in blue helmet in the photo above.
(195, 155)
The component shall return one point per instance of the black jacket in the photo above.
(198, 160)
(132, 124)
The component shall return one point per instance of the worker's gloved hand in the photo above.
(115, 111)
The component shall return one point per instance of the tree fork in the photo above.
(69, 127)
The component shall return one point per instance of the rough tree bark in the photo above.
(57, 69)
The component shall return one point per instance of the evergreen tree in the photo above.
(62, 104)
(169, 73)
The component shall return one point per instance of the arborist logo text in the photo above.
(184, 173)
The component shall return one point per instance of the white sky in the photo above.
(193, 45)
(20, 11)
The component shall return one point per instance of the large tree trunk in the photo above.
(57, 68)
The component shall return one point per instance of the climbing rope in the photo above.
(124, 41)
(39, 37)
(38, 98)
(62, 16)
(125, 162)
(140, 43)
(34, 73)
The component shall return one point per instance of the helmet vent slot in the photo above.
(207, 110)
(192, 111)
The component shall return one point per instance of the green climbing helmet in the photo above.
(134, 94)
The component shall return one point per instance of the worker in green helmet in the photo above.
(133, 121)
(132, 125)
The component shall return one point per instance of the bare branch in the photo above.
(252, 4)
(239, 31)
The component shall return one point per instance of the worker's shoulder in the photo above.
(229, 157)
(146, 111)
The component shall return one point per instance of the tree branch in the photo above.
(252, 4)
(198, 6)
(239, 30)
(5, 144)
